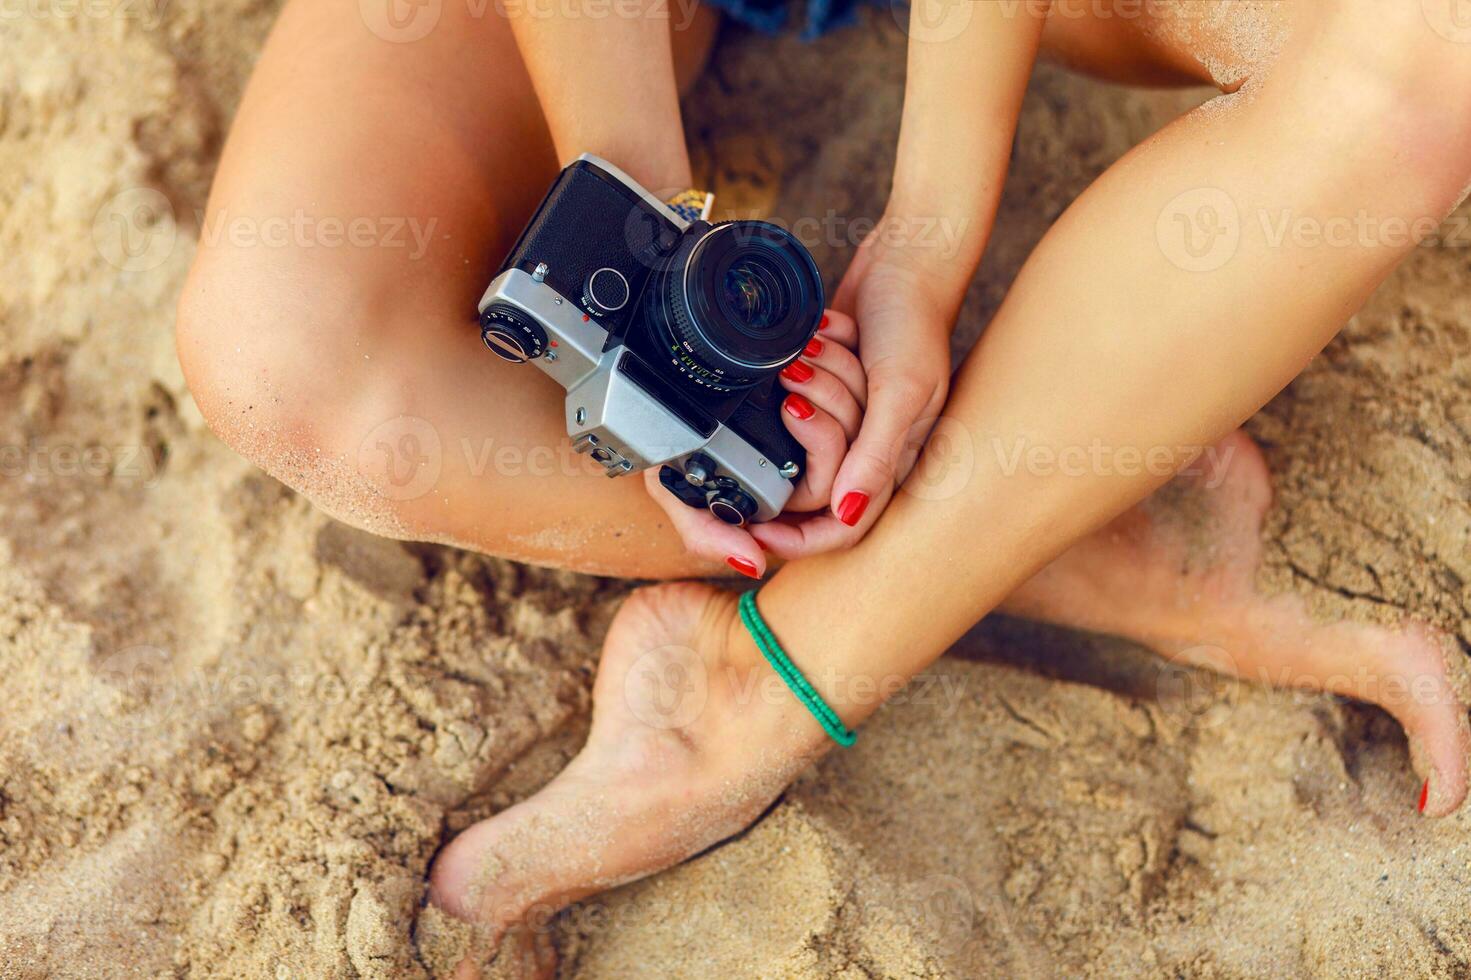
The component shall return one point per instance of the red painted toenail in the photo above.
(743, 565)
(1424, 795)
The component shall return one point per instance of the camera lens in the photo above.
(753, 296)
(736, 304)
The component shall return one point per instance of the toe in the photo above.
(1438, 750)
(1408, 671)
(1435, 722)
(1440, 742)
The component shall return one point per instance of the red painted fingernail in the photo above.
(797, 371)
(852, 506)
(813, 348)
(798, 407)
(743, 565)
(822, 324)
(1424, 795)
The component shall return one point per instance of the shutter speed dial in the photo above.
(511, 334)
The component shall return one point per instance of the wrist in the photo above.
(662, 167)
(943, 221)
(927, 255)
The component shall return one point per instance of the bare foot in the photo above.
(1178, 574)
(685, 750)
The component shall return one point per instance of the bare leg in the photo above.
(1178, 572)
(354, 372)
(1148, 352)
(1322, 133)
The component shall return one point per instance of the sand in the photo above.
(233, 732)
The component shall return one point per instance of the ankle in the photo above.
(763, 713)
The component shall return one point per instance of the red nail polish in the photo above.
(852, 506)
(797, 371)
(822, 324)
(813, 348)
(1424, 795)
(798, 407)
(744, 566)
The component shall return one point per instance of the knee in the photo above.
(277, 355)
(246, 343)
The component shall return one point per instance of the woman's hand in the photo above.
(823, 411)
(905, 315)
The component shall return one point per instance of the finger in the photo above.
(821, 389)
(706, 535)
(811, 534)
(840, 328)
(783, 537)
(892, 427)
(826, 443)
(842, 362)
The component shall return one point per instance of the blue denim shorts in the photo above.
(773, 16)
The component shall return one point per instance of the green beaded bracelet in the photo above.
(788, 672)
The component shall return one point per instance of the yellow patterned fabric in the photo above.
(692, 205)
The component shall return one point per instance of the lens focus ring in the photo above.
(737, 303)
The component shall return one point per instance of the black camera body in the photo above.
(666, 333)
